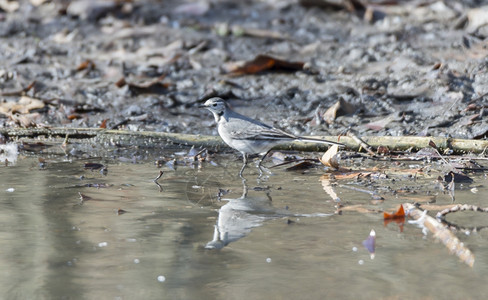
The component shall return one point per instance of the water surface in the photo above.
(130, 239)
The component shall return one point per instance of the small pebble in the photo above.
(268, 260)
(136, 260)
(361, 262)
(102, 244)
(161, 278)
(10, 190)
(355, 249)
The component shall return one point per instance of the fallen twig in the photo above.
(150, 139)
(362, 144)
(442, 233)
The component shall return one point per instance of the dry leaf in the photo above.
(380, 124)
(400, 214)
(104, 124)
(38, 2)
(340, 108)
(260, 33)
(9, 6)
(153, 87)
(383, 150)
(398, 217)
(261, 63)
(87, 64)
(329, 158)
(477, 18)
(23, 106)
(304, 165)
(26, 120)
(120, 83)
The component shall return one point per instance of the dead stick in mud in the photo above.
(361, 143)
(150, 139)
(442, 233)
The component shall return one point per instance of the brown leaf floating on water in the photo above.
(400, 214)
(398, 217)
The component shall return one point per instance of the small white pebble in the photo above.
(10, 190)
(268, 260)
(474, 190)
(131, 240)
(361, 262)
(161, 278)
(467, 232)
(102, 244)
(355, 249)
(136, 260)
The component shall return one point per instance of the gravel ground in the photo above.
(406, 68)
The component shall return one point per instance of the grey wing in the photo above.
(257, 131)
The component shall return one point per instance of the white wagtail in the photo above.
(250, 136)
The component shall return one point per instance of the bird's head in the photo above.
(217, 106)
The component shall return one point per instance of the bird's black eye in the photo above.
(214, 104)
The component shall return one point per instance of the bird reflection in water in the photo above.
(238, 217)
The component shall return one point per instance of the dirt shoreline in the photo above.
(410, 69)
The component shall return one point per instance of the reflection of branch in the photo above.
(441, 216)
(331, 192)
(467, 230)
(459, 207)
(442, 233)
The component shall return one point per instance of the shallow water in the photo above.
(281, 240)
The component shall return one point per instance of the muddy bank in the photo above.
(399, 69)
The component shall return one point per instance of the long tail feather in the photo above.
(316, 140)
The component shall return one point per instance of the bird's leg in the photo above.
(244, 164)
(260, 163)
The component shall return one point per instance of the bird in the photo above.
(250, 136)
